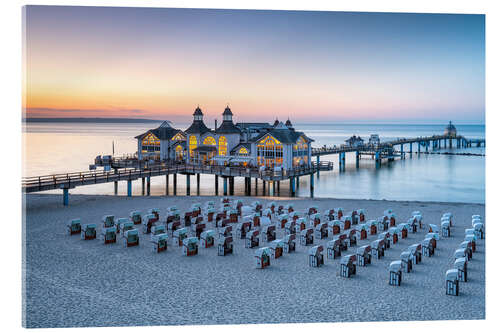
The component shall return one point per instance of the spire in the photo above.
(227, 115)
(198, 115)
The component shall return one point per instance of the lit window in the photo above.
(178, 137)
(209, 140)
(150, 144)
(193, 143)
(243, 151)
(222, 146)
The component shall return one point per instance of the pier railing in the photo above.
(70, 180)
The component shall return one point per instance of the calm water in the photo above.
(67, 147)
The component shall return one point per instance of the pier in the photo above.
(131, 169)
(389, 150)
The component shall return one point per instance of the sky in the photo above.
(161, 63)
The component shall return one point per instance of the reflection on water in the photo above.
(60, 148)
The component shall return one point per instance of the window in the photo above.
(243, 151)
(179, 153)
(150, 144)
(209, 140)
(222, 146)
(269, 152)
(178, 137)
(193, 143)
(300, 151)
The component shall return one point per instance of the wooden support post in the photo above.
(298, 184)
(143, 184)
(343, 161)
(197, 184)
(357, 159)
(426, 146)
(418, 147)
(411, 149)
(216, 185)
(271, 188)
(65, 196)
(292, 186)
(256, 186)
(129, 188)
(149, 186)
(312, 185)
(402, 152)
(175, 183)
(166, 184)
(231, 185)
(116, 188)
(278, 183)
(377, 160)
(225, 185)
(188, 184)
(317, 162)
(340, 162)
(263, 187)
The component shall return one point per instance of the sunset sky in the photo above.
(309, 66)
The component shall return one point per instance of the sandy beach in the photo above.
(70, 282)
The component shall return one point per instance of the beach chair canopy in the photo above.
(339, 209)
(470, 238)
(131, 232)
(395, 266)
(434, 227)
(445, 225)
(207, 233)
(346, 218)
(415, 247)
(363, 249)
(90, 226)
(190, 240)
(306, 231)
(277, 243)
(377, 243)
(148, 218)
(477, 217)
(73, 222)
(289, 238)
(283, 217)
(459, 263)
(405, 255)
(252, 233)
(384, 234)
(316, 250)
(478, 227)
(450, 215)
(460, 253)
(434, 235)
(465, 245)
(387, 212)
(224, 240)
(452, 274)
(332, 243)
(260, 252)
(268, 228)
(135, 213)
(301, 220)
(153, 210)
(416, 212)
(360, 211)
(350, 258)
(158, 229)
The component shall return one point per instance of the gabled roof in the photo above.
(227, 111)
(162, 133)
(227, 127)
(246, 145)
(284, 135)
(198, 112)
(198, 126)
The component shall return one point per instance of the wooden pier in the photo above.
(388, 150)
(228, 173)
(131, 169)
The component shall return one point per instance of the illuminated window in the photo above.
(178, 137)
(243, 151)
(300, 151)
(222, 146)
(209, 140)
(269, 152)
(179, 152)
(193, 143)
(150, 144)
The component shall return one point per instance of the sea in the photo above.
(61, 147)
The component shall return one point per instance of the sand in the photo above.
(70, 282)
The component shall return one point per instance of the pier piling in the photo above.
(129, 188)
(216, 185)
(116, 188)
(143, 184)
(198, 184)
(312, 186)
(225, 185)
(357, 159)
(175, 184)
(188, 184)
(317, 161)
(292, 186)
(166, 184)
(148, 186)
(65, 196)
